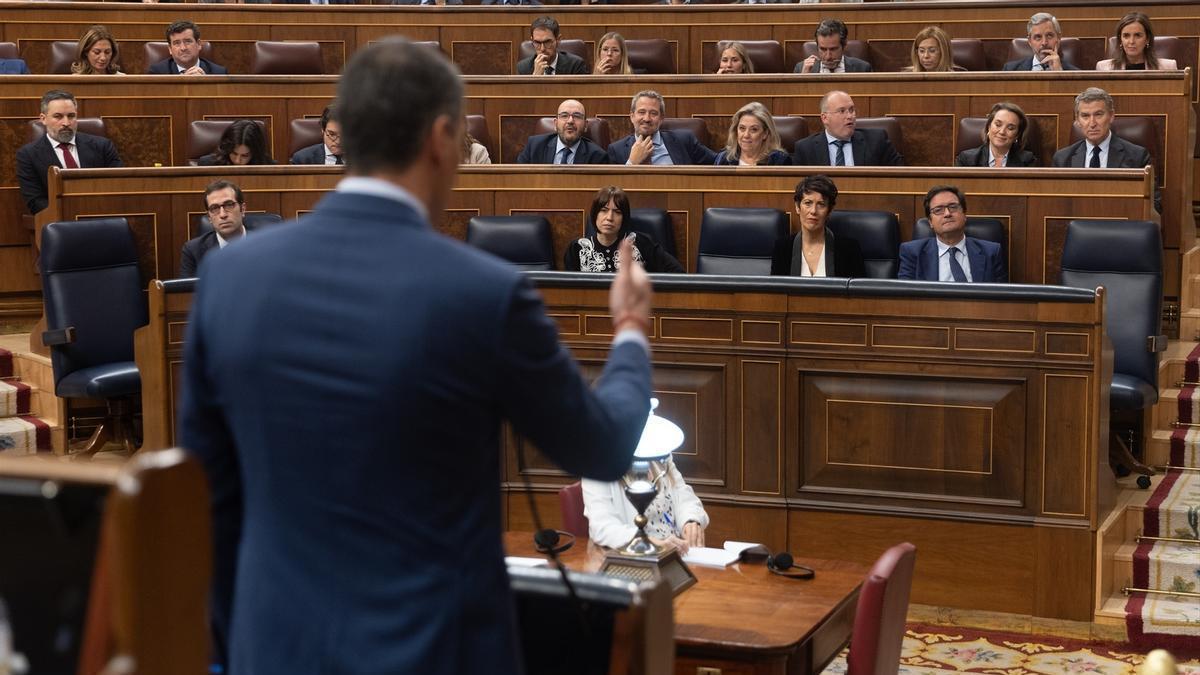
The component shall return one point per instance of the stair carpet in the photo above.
(22, 432)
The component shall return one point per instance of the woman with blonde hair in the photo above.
(97, 53)
(1134, 49)
(931, 52)
(753, 139)
(473, 152)
(734, 59)
(611, 56)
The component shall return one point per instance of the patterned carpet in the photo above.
(936, 650)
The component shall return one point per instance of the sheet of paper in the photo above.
(710, 557)
(518, 561)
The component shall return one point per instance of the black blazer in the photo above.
(843, 257)
(193, 251)
(1027, 64)
(681, 145)
(35, 159)
(979, 157)
(1121, 155)
(853, 65)
(540, 150)
(871, 147)
(568, 64)
(313, 154)
(776, 158)
(167, 67)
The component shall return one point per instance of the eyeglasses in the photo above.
(564, 116)
(946, 208)
(332, 135)
(544, 43)
(214, 209)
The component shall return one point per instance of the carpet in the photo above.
(20, 432)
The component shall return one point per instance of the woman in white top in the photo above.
(473, 151)
(675, 517)
(815, 251)
(1135, 47)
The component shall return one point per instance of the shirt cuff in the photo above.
(632, 335)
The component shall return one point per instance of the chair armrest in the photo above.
(60, 336)
(1156, 343)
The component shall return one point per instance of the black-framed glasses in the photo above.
(577, 116)
(214, 209)
(946, 208)
(332, 135)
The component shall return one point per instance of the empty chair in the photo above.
(570, 506)
(154, 52)
(970, 135)
(304, 132)
(988, 229)
(574, 47)
(654, 57)
(890, 125)
(62, 55)
(286, 58)
(693, 124)
(205, 135)
(739, 241)
(654, 223)
(879, 617)
(94, 301)
(88, 125)
(877, 234)
(1069, 48)
(524, 241)
(968, 53)
(791, 129)
(597, 129)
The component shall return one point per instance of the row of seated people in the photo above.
(947, 245)
(1132, 47)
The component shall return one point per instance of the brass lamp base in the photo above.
(665, 564)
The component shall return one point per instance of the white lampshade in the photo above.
(659, 438)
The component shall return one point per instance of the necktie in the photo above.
(68, 158)
(956, 269)
(337, 159)
(1095, 163)
(840, 159)
(564, 156)
(549, 70)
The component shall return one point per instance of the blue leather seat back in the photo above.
(877, 234)
(524, 241)
(739, 241)
(654, 223)
(988, 229)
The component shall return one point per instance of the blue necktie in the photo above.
(564, 156)
(956, 269)
(1095, 163)
(840, 159)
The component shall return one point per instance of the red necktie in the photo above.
(68, 158)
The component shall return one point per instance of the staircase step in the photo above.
(1112, 610)
(1158, 447)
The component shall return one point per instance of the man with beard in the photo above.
(648, 144)
(62, 146)
(567, 144)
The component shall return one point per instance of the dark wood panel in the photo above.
(761, 428)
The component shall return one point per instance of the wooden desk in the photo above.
(745, 619)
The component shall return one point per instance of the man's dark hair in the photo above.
(221, 185)
(544, 23)
(829, 27)
(820, 184)
(938, 189)
(329, 114)
(388, 98)
(56, 95)
(180, 26)
(620, 199)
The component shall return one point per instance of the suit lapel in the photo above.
(820, 148)
(977, 261)
(87, 153)
(1116, 153)
(929, 258)
(48, 155)
(1078, 157)
(674, 149)
(548, 151)
(858, 143)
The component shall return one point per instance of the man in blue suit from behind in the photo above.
(941, 257)
(345, 380)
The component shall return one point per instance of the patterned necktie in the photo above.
(564, 156)
(1095, 163)
(956, 269)
(840, 159)
(337, 159)
(549, 70)
(68, 158)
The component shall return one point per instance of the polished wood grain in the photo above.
(744, 619)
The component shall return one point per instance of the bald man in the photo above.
(567, 145)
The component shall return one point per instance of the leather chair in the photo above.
(1165, 47)
(739, 241)
(88, 125)
(890, 125)
(1069, 48)
(968, 53)
(160, 51)
(524, 241)
(570, 505)
(94, 300)
(877, 234)
(989, 229)
(597, 129)
(302, 133)
(205, 135)
(286, 58)
(654, 223)
(251, 221)
(693, 124)
(654, 57)
(478, 128)
(856, 48)
(767, 55)
(879, 617)
(791, 129)
(1125, 257)
(575, 47)
(62, 55)
(1134, 129)
(8, 50)
(970, 135)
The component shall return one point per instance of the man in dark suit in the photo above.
(226, 209)
(940, 257)
(1043, 34)
(1100, 147)
(547, 59)
(567, 145)
(62, 146)
(345, 379)
(830, 37)
(427, 2)
(648, 144)
(841, 144)
(329, 150)
(183, 41)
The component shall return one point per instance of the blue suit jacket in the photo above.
(345, 396)
(167, 67)
(919, 260)
(681, 145)
(540, 150)
(311, 154)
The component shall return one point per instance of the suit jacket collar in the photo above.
(858, 146)
(1116, 152)
(385, 193)
(84, 147)
(975, 257)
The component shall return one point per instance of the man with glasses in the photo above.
(841, 143)
(567, 145)
(226, 209)
(329, 151)
(183, 41)
(546, 59)
(950, 255)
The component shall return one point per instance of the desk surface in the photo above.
(744, 613)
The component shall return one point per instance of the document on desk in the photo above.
(717, 557)
(519, 561)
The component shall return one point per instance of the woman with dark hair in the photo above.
(97, 53)
(814, 251)
(1003, 140)
(611, 215)
(243, 143)
(1135, 47)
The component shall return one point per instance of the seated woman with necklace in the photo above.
(814, 251)
(1003, 140)
(611, 215)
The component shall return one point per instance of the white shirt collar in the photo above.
(328, 153)
(559, 145)
(222, 242)
(943, 247)
(1103, 145)
(54, 143)
(376, 187)
(993, 160)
